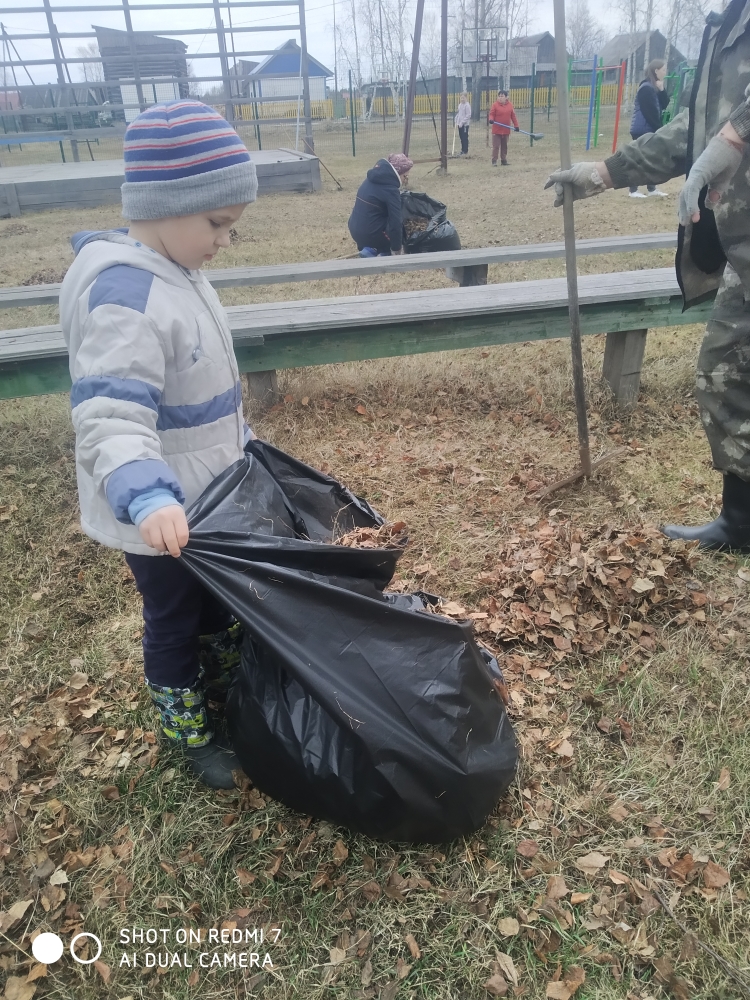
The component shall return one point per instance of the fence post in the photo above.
(549, 98)
(533, 94)
(351, 113)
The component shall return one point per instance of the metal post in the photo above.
(444, 86)
(620, 85)
(549, 98)
(224, 62)
(579, 389)
(351, 113)
(599, 84)
(257, 116)
(58, 61)
(304, 66)
(531, 114)
(133, 55)
(409, 109)
(591, 102)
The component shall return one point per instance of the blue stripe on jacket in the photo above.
(197, 414)
(131, 390)
(121, 285)
(135, 478)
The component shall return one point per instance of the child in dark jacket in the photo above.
(376, 221)
(650, 101)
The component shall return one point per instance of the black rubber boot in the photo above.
(213, 764)
(731, 529)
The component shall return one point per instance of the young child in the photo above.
(462, 122)
(502, 117)
(156, 400)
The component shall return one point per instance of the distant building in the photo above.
(278, 77)
(623, 48)
(523, 54)
(160, 60)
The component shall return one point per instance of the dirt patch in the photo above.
(46, 277)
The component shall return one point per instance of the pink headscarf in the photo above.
(400, 163)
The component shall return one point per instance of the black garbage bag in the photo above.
(439, 234)
(350, 704)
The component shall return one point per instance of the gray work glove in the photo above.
(715, 167)
(584, 179)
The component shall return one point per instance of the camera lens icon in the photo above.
(47, 948)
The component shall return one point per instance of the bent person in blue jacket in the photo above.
(376, 222)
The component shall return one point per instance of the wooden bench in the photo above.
(277, 335)
(467, 267)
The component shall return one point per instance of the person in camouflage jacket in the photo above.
(708, 143)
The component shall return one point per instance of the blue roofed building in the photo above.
(278, 76)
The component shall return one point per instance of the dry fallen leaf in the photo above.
(16, 988)
(340, 852)
(590, 863)
(527, 848)
(618, 812)
(564, 988)
(556, 887)
(14, 914)
(193, 978)
(580, 897)
(714, 876)
(37, 971)
(507, 967)
(58, 878)
(104, 970)
(411, 942)
(508, 926)
(337, 955)
(643, 585)
(496, 986)
(724, 778)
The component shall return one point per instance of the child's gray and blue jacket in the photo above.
(156, 397)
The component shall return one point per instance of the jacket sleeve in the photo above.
(653, 158)
(650, 109)
(740, 118)
(118, 380)
(395, 218)
(513, 116)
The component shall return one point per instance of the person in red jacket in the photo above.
(502, 117)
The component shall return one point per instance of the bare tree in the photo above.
(583, 33)
(92, 72)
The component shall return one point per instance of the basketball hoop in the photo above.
(487, 45)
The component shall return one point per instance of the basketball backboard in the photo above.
(484, 45)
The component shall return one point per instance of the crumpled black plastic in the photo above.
(350, 704)
(440, 234)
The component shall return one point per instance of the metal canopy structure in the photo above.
(150, 60)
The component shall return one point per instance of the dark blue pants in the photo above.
(176, 610)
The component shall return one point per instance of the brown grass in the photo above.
(66, 598)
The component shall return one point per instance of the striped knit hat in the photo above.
(182, 158)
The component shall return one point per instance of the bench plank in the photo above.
(273, 274)
(353, 328)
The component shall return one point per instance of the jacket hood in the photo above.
(384, 173)
(96, 251)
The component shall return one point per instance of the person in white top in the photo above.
(462, 121)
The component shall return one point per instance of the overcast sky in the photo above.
(319, 25)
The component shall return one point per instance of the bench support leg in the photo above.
(11, 197)
(623, 359)
(263, 387)
(471, 274)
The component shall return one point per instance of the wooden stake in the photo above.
(571, 271)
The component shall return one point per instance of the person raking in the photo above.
(502, 118)
(156, 398)
(709, 142)
(376, 222)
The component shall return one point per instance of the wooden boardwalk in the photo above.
(40, 186)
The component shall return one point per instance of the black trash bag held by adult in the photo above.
(350, 704)
(440, 234)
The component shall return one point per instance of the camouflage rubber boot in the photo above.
(219, 657)
(185, 726)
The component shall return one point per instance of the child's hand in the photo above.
(166, 529)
